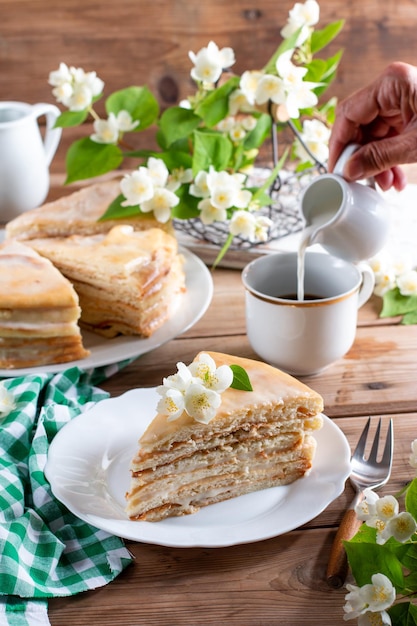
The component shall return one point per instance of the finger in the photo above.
(379, 156)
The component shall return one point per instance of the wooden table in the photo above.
(280, 581)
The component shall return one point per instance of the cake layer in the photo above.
(185, 493)
(36, 351)
(77, 214)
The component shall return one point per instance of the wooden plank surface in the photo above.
(133, 42)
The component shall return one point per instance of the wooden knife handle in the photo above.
(338, 565)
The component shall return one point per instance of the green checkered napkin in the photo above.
(46, 551)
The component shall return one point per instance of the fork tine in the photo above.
(387, 455)
(375, 444)
(359, 451)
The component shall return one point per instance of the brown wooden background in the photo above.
(147, 41)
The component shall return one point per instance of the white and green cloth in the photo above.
(45, 550)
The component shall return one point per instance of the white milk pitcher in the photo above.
(25, 156)
(350, 220)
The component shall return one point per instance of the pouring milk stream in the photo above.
(350, 220)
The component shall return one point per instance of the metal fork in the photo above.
(371, 473)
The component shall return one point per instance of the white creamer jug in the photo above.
(25, 156)
(350, 220)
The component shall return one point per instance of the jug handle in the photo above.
(344, 158)
(52, 135)
(368, 283)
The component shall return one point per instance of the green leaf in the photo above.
(87, 159)
(411, 498)
(287, 44)
(176, 123)
(321, 38)
(138, 101)
(215, 106)
(393, 303)
(240, 379)
(366, 559)
(116, 211)
(256, 137)
(187, 206)
(409, 318)
(71, 118)
(403, 614)
(211, 148)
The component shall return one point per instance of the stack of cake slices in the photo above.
(127, 281)
(39, 311)
(257, 439)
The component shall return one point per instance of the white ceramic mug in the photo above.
(304, 337)
(25, 155)
(350, 220)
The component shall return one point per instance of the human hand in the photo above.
(382, 118)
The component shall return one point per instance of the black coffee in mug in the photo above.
(307, 296)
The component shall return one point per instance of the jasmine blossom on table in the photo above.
(396, 284)
(383, 559)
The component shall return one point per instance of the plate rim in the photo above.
(193, 265)
(150, 532)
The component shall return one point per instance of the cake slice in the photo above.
(38, 311)
(128, 282)
(77, 214)
(256, 439)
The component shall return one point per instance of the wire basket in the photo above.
(284, 211)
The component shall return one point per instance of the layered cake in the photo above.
(200, 449)
(128, 282)
(39, 311)
(78, 213)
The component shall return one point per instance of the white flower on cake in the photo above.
(370, 601)
(7, 401)
(196, 389)
(217, 378)
(201, 403)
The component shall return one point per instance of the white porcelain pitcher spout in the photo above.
(350, 220)
(25, 155)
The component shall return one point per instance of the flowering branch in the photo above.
(210, 141)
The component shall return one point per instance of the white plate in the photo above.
(88, 468)
(193, 304)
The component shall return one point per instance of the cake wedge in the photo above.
(128, 282)
(254, 440)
